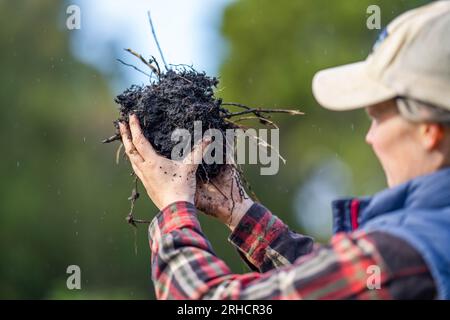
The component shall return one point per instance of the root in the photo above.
(133, 197)
(147, 63)
(118, 153)
(264, 143)
(261, 110)
(247, 185)
(156, 40)
(112, 138)
(134, 67)
(257, 113)
(264, 121)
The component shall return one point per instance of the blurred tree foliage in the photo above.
(63, 198)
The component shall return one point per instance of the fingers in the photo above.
(139, 149)
(130, 149)
(144, 147)
(196, 155)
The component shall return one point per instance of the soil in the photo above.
(175, 100)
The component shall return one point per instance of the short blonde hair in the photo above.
(418, 111)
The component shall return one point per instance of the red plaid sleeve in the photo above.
(265, 242)
(184, 265)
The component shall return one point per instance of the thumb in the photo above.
(196, 155)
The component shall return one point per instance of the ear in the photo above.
(432, 135)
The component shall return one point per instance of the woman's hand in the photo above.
(223, 197)
(165, 180)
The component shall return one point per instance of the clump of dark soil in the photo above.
(175, 101)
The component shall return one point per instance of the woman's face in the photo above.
(395, 142)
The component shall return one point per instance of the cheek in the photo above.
(393, 143)
(381, 149)
(379, 140)
(386, 140)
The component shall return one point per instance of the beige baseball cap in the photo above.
(410, 59)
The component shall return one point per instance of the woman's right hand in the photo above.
(223, 197)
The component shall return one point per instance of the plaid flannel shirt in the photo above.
(286, 265)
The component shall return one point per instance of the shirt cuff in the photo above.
(177, 215)
(255, 232)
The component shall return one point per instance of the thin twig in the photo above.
(118, 153)
(112, 138)
(156, 39)
(133, 197)
(140, 57)
(157, 64)
(134, 67)
(182, 65)
(240, 105)
(261, 119)
(247, 184)
(264, 143)
(261, 110)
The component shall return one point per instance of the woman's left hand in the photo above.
(165, 180)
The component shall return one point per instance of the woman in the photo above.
(393, 245)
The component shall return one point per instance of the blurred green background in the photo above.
(64, 199)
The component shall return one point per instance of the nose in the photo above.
(369, 135)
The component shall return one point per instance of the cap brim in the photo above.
(348, 87)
